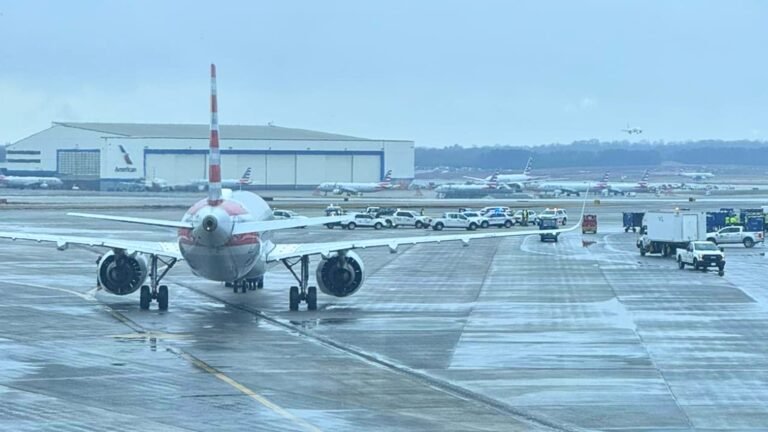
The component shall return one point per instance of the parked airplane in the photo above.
(632, 130)
(23, 182)
(697, 175)
(570, 187)
(516, 181)
(623, 188)
(472, 190)
(228, 238)
(339, 188)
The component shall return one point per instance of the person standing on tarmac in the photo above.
(525, 217)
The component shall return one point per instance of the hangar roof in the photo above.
(154, 130)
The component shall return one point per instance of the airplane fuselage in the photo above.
(213, 252)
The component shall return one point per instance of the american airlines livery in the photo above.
(339, 188)
(227, 237)
(23, 182)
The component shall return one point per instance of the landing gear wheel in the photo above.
(293, 299)
(144, 297)
(243, 286)
(312, 298)
(162, 297)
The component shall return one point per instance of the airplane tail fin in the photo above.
(493, 182)
(214, 157)
(388, 176)
(246, 178)
(644, 178)
(528, 166)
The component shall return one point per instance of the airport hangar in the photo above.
(105, 155)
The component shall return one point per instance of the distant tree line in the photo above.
(595, 153)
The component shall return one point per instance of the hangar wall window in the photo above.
(22, 152)
(23, 160)
(79, 163)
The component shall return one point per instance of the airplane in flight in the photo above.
(339, 188)
(227, 237)
(564, 187)
(632, 130)
(23, 182)
(697, 175)
(516, 181)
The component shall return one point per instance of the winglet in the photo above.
(214, 157)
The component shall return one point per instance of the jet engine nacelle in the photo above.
(121, 274)
(340, 275)
(338, 191)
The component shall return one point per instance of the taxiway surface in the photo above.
(510, 334)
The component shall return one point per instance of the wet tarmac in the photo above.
(503, 335)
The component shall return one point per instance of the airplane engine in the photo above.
(338, 191)
(340, 275)
(121, 274)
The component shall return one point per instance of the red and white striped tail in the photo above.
(214, 157)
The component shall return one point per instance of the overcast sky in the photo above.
(438, 72)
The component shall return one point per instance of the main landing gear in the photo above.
(302, 292)
(154, 290)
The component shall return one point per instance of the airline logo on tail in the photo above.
(493, 182)
(387, 181)
(246, 178)
(528, 166)
(603, 183)
(644, 179)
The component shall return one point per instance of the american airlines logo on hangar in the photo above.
(128, 161)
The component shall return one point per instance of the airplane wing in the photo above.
(166, 249)
(285, 251)
(348, 189)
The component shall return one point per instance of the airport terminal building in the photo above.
(103, 155)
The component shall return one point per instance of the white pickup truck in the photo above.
(454, 220)
(701, 255)
(736, 235)
(410, 219)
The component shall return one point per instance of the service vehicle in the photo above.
(557, 213)
(665, 231)
(387, 214)
(533, 219)
(410, 219)
(501, 220)
(287, 214)
(454, 220)
(363, 220)
(589, 224)
(548, 224)
(736, 235)
(487, 210)
(632, 220)
(701, 255)
(481, 220)
(372, 210)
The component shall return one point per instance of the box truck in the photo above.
(663, 232)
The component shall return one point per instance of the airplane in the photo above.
(632, 130)
(23, 182)
(339, 188)
(570, 187)
(697, 175)
(516, 181)
(473, 190)
(227, 237)
(623, 188)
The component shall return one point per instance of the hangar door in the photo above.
(366, 168)
(176, 168)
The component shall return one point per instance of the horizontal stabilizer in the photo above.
(141, 221)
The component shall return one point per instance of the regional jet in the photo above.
(516, 181)
(339, 188)
(697, 175)
(570, 187)
(227, 237)
(23, 182)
